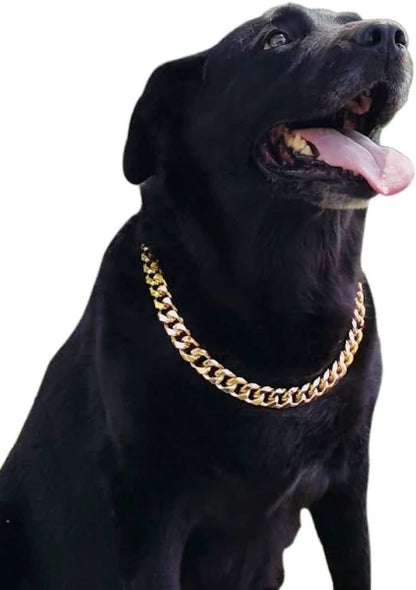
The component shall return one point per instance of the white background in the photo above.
(71, 73)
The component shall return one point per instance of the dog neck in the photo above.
(284, 271)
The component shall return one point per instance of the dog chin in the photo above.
(336, 200)
(355, 195)
(344, 203)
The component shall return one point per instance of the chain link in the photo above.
(214, 372)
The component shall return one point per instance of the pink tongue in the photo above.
(386, 170)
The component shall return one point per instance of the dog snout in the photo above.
(382, 37)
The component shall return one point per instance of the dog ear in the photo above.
(163, 101)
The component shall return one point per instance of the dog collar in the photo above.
(224, 379)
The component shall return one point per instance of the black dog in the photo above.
(132, 471)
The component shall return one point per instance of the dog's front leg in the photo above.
(160, 570)
(161, 574)
(340, 519)
(159, 553)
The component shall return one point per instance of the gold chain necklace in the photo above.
(214, 372)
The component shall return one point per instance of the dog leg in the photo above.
(340, 519)
(160, 571)
(158, 556)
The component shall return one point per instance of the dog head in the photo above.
(290, 104)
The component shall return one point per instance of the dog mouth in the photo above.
(342, 145)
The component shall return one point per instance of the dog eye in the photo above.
(276, 39)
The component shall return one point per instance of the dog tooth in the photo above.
(306, 151)
(296, 142)
(289, 139)
(299, 142)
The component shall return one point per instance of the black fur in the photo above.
(133, 472)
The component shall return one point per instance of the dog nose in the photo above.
(387, 37)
